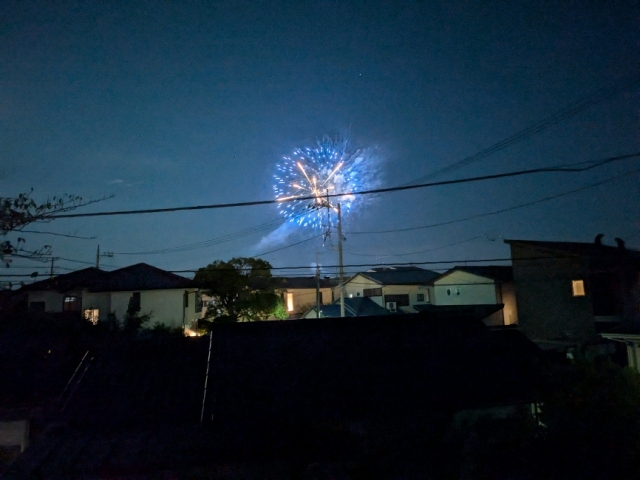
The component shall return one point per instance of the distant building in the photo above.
(353, 307)
(394, 288)
(171, 299)
(566, 291)
(299, 293)
(479, 285)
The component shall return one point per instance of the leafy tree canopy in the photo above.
(242, 289)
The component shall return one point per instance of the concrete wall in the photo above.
(356, 285)
(547, 309)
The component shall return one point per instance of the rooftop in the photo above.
(400, 275)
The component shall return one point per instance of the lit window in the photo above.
(92, 315)
(290, 302)
(71, 304)
(578, 288)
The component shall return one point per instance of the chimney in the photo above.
(598, 240)
(620, 243)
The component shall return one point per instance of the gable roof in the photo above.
(303, 282)
(79, 279)
(501, 273)
(140, 276)
(401, 275)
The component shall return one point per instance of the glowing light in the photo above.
(329, 167)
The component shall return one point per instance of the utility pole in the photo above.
(340, 262)
(317, 287)
(99, 255)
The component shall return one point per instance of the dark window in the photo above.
(36, 306)
(457, 291)
(185, 300)
(421, 297)
(401, 300)
(71, 304)
(448, 291)
(134, 301)
(372, 292)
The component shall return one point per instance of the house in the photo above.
(299, 293)
(353, 307)
(479, 285)
(567, 291)
(395, 288)
(282, 393)
(170, 299)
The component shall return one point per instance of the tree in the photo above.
(242, 289)
(18, 212)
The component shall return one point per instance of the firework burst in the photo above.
(327, 168)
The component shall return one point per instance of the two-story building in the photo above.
(301, 293)
(170, 299)
(479, 285)
(396, 288)
(567, 291)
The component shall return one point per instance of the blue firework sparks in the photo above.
(328, 167)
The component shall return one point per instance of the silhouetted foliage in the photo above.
(242, 289)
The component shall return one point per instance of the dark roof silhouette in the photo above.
(303, 282)
(402, 275)
(84, 278)
(577, 248)
(140, 276)
(353, 307)
(138, 406)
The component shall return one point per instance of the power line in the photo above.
(496, 212)
(571, 110)
(566, 168)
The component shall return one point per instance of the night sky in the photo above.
(167, 104)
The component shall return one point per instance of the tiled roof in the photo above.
(135, 277)
(84, 278)
(140, 276)
(402, 275)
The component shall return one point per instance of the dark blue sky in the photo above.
(181, 103)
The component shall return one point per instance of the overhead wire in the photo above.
(496, 212)
(571, 110)
(564, 168)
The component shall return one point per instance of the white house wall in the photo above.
(356, 286)
(164, 306)
(474, 290)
